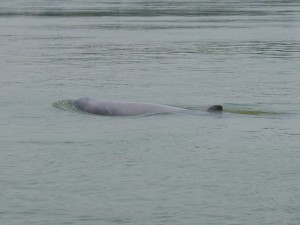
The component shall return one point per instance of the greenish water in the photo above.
(61, 166)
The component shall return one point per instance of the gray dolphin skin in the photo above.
(122, 108)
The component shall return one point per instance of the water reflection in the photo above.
(148, 8)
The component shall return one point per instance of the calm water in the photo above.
(66, 167)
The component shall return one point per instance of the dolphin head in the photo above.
(215, 108)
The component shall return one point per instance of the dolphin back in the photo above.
(120, 108)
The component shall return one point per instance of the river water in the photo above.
(67, 167)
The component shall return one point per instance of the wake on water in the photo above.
(66, 104)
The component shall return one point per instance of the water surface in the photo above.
(66, 167)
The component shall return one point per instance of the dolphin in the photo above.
(123, 108)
